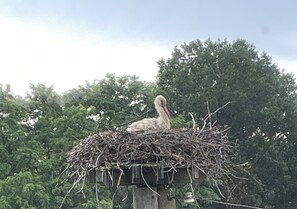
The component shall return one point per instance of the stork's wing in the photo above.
(144, 125)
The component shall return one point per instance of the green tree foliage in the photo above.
(38, 130)
(53, 129)
(12, 131)
(262, 113)
(115, 100)
(23, 190)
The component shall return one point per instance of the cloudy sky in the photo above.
(66, 42)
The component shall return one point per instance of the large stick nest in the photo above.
(208, 150)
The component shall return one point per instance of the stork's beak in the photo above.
(167, 111)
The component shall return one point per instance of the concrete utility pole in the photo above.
(152, 198)
(165, 201)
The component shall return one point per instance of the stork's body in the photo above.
(162, 122)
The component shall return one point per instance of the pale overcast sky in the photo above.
(66, 42)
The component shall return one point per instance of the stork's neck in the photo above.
(162, 114)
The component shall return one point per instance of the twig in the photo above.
(71, 188)
(147, 183)
(209, 113)
(121, 174)
(83, 180)
(191, 186)
(193, 120)
(97, 198)
(114, 127)
(114, 194)
(219, 190)
(97, 160)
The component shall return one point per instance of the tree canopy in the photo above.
(261, 115)
(38, 130)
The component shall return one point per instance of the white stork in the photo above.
(162, 122)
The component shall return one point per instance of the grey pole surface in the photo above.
(145, 198)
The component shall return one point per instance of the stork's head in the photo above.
(161, 104)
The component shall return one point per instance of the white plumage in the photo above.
(162, 122)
